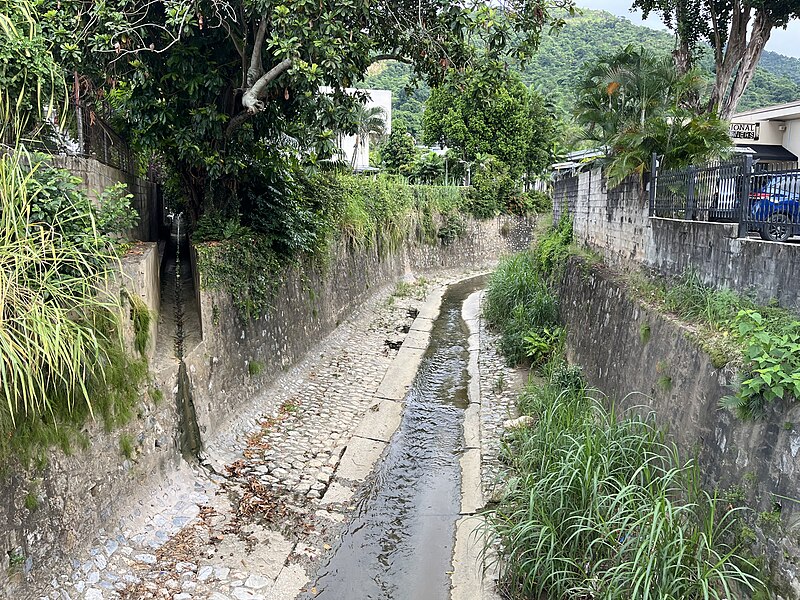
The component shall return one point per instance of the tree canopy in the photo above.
(216, 85)
(632, 103)
(489, 110)
(737, 31)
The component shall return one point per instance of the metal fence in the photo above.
(84, 133)
(760, 197)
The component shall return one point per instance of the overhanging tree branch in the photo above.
(252, 99)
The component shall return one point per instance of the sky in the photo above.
(782, 41)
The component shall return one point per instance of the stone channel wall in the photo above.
(235, 360)
(615, 223)
(50, 512)
(53, 512)
(648, 362)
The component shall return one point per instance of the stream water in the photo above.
(399, 544)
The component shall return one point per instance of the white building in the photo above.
(770, 134)
(348, 143)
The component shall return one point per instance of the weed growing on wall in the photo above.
(61, 356)
(599, 505)
(359, 212)
(761, 342)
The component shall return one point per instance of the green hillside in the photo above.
(557, 66)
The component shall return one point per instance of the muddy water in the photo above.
(399, 544)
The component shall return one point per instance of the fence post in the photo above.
(691, 172)
(653, 179)
(744, 200)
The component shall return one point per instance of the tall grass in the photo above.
(600, 506)
(518, 302)
(48, 290)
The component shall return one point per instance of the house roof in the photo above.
(779, 112)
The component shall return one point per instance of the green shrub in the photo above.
(553, 249)
(772, 364)
(541, 344)
(601, 506)
(519, 304)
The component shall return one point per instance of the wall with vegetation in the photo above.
(236, 360)
(96, 176)
(650, 362)
(615, 223)
(51, 508)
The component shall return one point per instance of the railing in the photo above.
(84, 134)
(763, 198)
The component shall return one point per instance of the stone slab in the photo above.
(471, 493)
(467, 574)
(381, 421)
(401, 374)
(291, 581)
(337, 494)
(359, 459)
(430, 308)
(472, 427)
(418, 338)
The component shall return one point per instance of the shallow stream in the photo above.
(399, 543)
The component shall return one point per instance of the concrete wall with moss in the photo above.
(52, 510)
(648, 362)
(615, 223)
(309, 303)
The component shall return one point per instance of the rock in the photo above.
(204, 573)
(111, 547)
(93, 577)
(93, 594)
(257, 582)
(149, 559)
(519, 423)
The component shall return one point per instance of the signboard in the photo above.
(745, 131)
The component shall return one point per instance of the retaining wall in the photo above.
(648, 362)
(615, 223)
(97, 176)
(49, 513)
(309, 305)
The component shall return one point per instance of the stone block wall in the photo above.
(665, 372)
(615, 223)
(49, 513)
(97, 176)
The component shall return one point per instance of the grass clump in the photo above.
(255, 368)
(519, 303)
(141, 318)
(598, 505)
(126, 446)
(762, 342)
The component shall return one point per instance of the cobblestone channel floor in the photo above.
(254, 527)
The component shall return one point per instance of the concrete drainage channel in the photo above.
(414, 533)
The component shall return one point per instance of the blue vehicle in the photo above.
(775, 205)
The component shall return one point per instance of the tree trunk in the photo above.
(728, 60)
(762, 28)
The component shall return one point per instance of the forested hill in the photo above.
(556, 68)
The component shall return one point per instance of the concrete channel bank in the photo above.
(254, 527)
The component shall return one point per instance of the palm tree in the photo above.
(369, 121)
(635, 103)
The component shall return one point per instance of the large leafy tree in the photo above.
(738, 31)
(213, 85)
(489, 111)
(633, 104)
